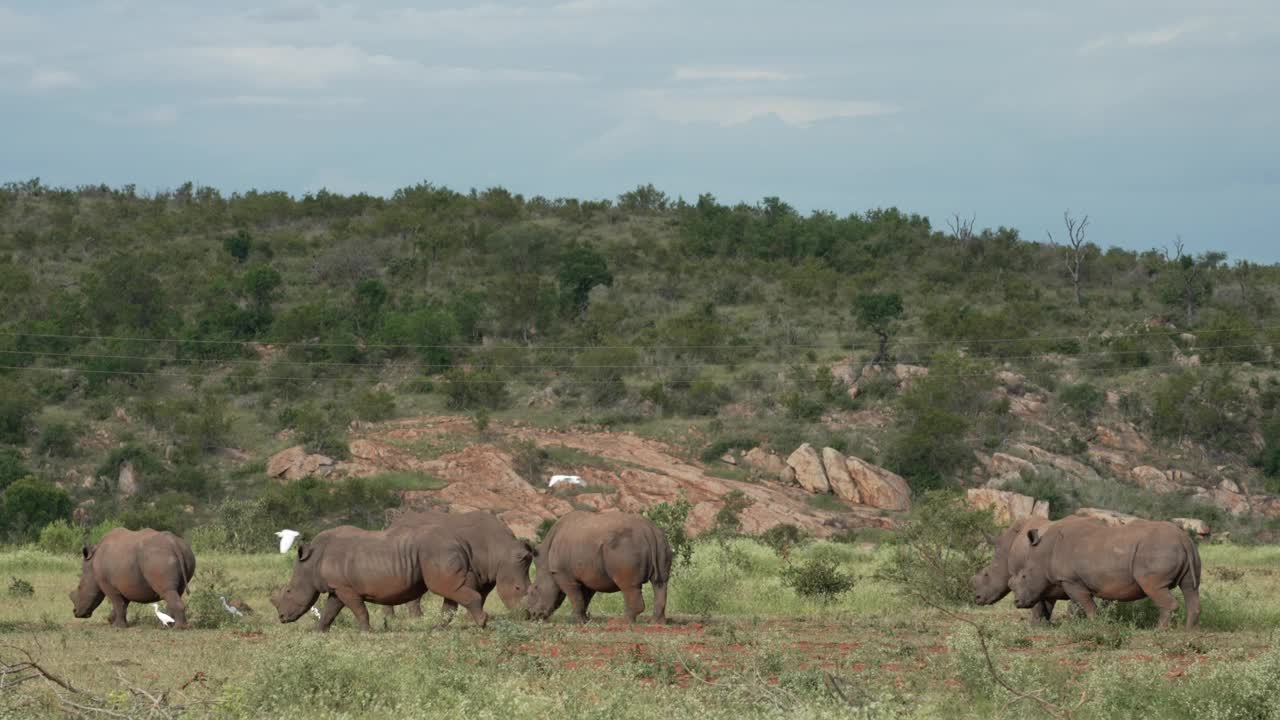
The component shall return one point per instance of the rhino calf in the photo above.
(386, 567)
(586, 553)
(140, 566)
(1088, 560)
(1012, 549)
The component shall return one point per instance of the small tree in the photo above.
(939, 549)
(238, 245)
(819, 578)
(1188, 280)
(670, 517)
(1075, 251)
(582, 267)
(29, 504)
(879, 312)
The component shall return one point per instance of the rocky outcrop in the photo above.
(878, 487)
(764, 461)
(1008, 507)
(1153, 480)
(1073, 468)
(1226, 495)
(1003, 464)
(837, 468)
(1195, 526)
(1124, 437)
(1110, 517)
(127, 480)
(295, 464)
(810, 473)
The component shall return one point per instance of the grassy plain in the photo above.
(741, 645)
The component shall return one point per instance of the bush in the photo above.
(483, 388)
(819, 578)
(670, 517)
(204, 604)
(238, 245)
(322, 431)
(728, 521)
(782, 538)
(30, 504)
(12, 467)
(61, 538)
(57, 440)
(1082, 401)
(941, 546)
(1204, 406)
(374, 406)
(17, 404)
(20, 588)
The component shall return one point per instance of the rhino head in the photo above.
(545, 596)
(295, 599)
(991, 583)
(1031, 582)
(88, 595)
(513, 576)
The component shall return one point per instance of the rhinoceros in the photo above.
(134, 566)
(1141, 559)
(586, 553)
(498, 559)
(387, 567)
(1012, 547)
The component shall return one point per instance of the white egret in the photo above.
(286, 539)
(570, 479)
(235, 612)
(165, 620)
(316, 613)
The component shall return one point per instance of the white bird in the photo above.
(570, 479)
(165, 620)
(286, 539)
(234, 611)
(316, 613)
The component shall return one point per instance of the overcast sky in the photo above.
(1156, 117)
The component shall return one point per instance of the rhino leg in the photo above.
(1163, 600)
(469, 599)
(660, 603)
(1191, 594)
(352, 600)
(415, 608)
(119, 610)
(579, 598)
(1082, 597)
(332, 606)
(175, 607)
(634, 600)
(1041, 613)
(388, 610)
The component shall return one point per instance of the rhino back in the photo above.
(136, 562)
(490, 543)
(1109, 559)
(583, 538)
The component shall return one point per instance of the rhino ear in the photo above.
(529, 549)
(1033, 535)
(304, 551)
(86, 551)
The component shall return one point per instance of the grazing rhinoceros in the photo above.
(1141, 559)
(498, 559)
(586, 553)
(1012, 547)
(387, 567)
(134, 566)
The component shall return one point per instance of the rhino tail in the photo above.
(1192, 569)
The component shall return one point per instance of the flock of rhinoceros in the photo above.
(461, 557)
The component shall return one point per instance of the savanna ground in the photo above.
(741, 644)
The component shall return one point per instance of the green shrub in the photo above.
(374, 406)
(57, 439)
(1205, 406)
(819, 578)
(238, 245)
(61, 538)
(12, 467)
(728, 520)
(783, 537)
(483, 388)
(29, 504)
(322, 431)
(720, 446)
(671, 517)
(17, 405)
(19, 588)
(941, 546)
(204, 604)
(1082, 400)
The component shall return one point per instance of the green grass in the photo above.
(741, 645)
(409, 481)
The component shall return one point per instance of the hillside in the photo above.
(161, 351)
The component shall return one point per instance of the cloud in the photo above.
(53, 79)
(731, 110)
(1147, 38)
(281, 101)
(319, 67)
(729, 73)
(153, 116)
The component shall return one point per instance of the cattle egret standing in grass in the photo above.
(316, 613)
(286, 539)
(165, 620)
(570, 479)
(235, 612)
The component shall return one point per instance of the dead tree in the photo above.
(1075, 250)
(962, 228)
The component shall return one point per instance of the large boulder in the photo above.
(809, 470)
(1110, 517)
(295, 464)
(1195, 526)
(1226, 495)
(1003, 464)
(127, 480)
(1008, 507)
(837, 468)
(878, 487)
(1071, 467)
(1124, 437)
(1153, 479)
(764, 461)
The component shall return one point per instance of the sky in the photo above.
(1157, 118)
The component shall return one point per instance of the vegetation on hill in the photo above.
(189, 334)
